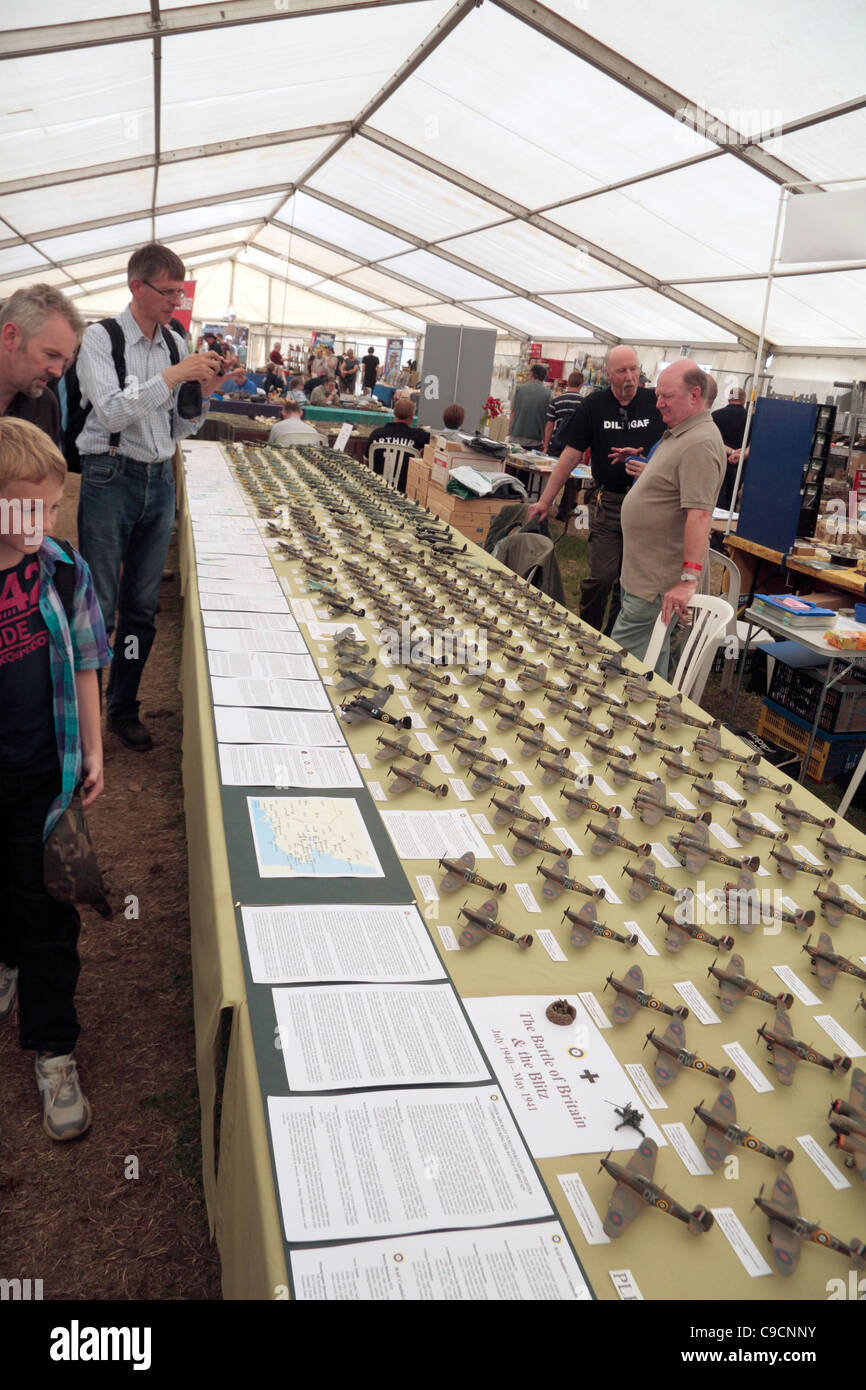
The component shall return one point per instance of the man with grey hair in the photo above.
(39, 333)
(611, 423)
(666, 516)
(731, 422)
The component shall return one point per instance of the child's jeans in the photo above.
(37, 934)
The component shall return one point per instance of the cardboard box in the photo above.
(471, 517)
(447, 454)
(418, 481)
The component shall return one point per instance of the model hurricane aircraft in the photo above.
(608, 835)
(786, 1051)
(847, 1119)
(635, 1189)
(834, 851)
(672, 1055)
(631, 996)
(734, 986)
(826, 963)
(788, 1229)
(750, 907)
(724, 1134)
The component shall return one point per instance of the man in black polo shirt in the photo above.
(611, 423)
(731, 423)
(39, 332)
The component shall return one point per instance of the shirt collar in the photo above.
(132, 331)
(689, 423)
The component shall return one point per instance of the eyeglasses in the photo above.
(175, 296)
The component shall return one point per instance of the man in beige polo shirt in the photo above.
(666, 516)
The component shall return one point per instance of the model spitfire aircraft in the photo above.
(847, 1119)
(692, 848)
(461, 871)
(794, 816)
(835, 906)
(529, 840)
(734, 986)
(482, 923)
(789, 863)
(635, 1189)
(834, 851)
(786, 1051)
(750, 907)
(631, 996)
(644, 880)
(747, 827)
(585, 925)
(723, 1133)
(788, 1229)
(679, 932)
(508, 808)
(399, 748)
(754, 782)
(650, 804)
(826, 963)
(607, 835)
(558, 878)
(708, 746)
(672, 1054)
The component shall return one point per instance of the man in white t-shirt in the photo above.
(293, 429)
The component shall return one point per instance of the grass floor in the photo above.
(571, 553)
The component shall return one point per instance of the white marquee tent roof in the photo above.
(588, 171)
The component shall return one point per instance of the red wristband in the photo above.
(687, 565)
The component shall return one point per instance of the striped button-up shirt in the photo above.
(81, 645)
(144, 413)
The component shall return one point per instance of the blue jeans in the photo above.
(634, 628)
(125, 519)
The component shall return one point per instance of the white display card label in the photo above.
(645, 1087)
(741, 1242)
(585, 1213)
(691, 995)
(685, 1147)
(809, 1144)
(746, 1067)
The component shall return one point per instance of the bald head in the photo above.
(682, 391)
(623, 372)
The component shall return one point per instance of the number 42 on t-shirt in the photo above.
(13, 599)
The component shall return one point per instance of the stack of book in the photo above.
(798, 614)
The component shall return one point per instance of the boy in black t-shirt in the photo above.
(50, 741)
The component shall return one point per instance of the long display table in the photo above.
(309, 1133)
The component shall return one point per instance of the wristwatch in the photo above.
(686, 578)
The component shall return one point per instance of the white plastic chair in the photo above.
(707, 633)
(390, 461)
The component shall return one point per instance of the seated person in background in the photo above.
(294, 391)
(292, 429)
(241, 384)
(273, 381)
(325, 394)
(401, 431)
(452, 420)
(312, 382)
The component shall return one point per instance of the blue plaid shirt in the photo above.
(81, 647)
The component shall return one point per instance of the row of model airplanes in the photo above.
(635, 1186)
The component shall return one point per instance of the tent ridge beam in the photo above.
(434, 249)
(147, 161)
(535, 219)
(188, 19)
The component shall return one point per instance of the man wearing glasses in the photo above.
(127, 505)
(613, 423)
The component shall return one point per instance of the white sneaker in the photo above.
(8, 990)
(65, 1109)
